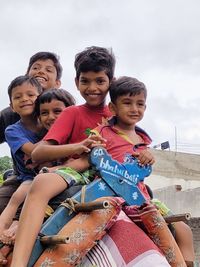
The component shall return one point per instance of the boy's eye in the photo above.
(57, 111)
(127, 103)
(35, 67)
(49, 69)
(83, 81)
(16, 97)
(100, 81)
(141, 104)
(43, 113)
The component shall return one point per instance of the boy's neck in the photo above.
(101, 106)
(124, 127)
(130, 132)
(31, 123)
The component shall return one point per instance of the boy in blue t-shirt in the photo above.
(24, 135)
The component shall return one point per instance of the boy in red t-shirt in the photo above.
(124, 139)
(94, 73)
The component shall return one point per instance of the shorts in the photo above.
(73, 177)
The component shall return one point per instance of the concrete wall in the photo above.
(180, 201)
(173, 169)
(176, 165)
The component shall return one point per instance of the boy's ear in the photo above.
(11, 106)
(112, 108)
(58, 84)
(77, 83)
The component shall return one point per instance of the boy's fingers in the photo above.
(88, 142)
(146, 161)
(86, 149)
(98, 144)
(135, 154)
(97, 138)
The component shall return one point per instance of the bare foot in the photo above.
(3, 260)
(8, 236)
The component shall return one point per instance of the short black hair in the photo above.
(21, 80)
(95, 59)
(126, 85)
(45, 56)
(49, 95)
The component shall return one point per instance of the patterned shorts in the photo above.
(73, 177)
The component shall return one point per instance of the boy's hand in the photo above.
(144, 157)
(86, 145)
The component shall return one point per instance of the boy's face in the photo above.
(23, 99)
(49, 112)
(93, 87)
(129, 109)
(45, 72)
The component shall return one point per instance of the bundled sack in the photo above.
(82, 232)
(125, 244)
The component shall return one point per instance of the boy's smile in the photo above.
(93, 87)
(45, 72)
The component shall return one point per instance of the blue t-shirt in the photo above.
(16, 136)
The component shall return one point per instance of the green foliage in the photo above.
(5, 164)
(1, 179)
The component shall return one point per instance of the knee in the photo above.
(39, 189)
(183, 232)
(185, 228)
(36, 186)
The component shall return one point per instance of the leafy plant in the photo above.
(1, 179)
(5, 164)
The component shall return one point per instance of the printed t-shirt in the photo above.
(16, 136)
(75, 122)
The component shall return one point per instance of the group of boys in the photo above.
(94, 76)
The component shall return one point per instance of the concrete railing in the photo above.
(175, 164)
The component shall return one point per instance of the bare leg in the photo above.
(9, 212)
(44, 187)
(184, 239)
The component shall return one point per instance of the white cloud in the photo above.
(155, 41)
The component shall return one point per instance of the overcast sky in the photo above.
(156, 41)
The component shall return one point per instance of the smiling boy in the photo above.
(46, 68)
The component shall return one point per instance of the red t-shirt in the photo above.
(119, 146)
(75, 122)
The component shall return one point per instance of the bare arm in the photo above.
(28, 148)
(80, 164)
(49, 151)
